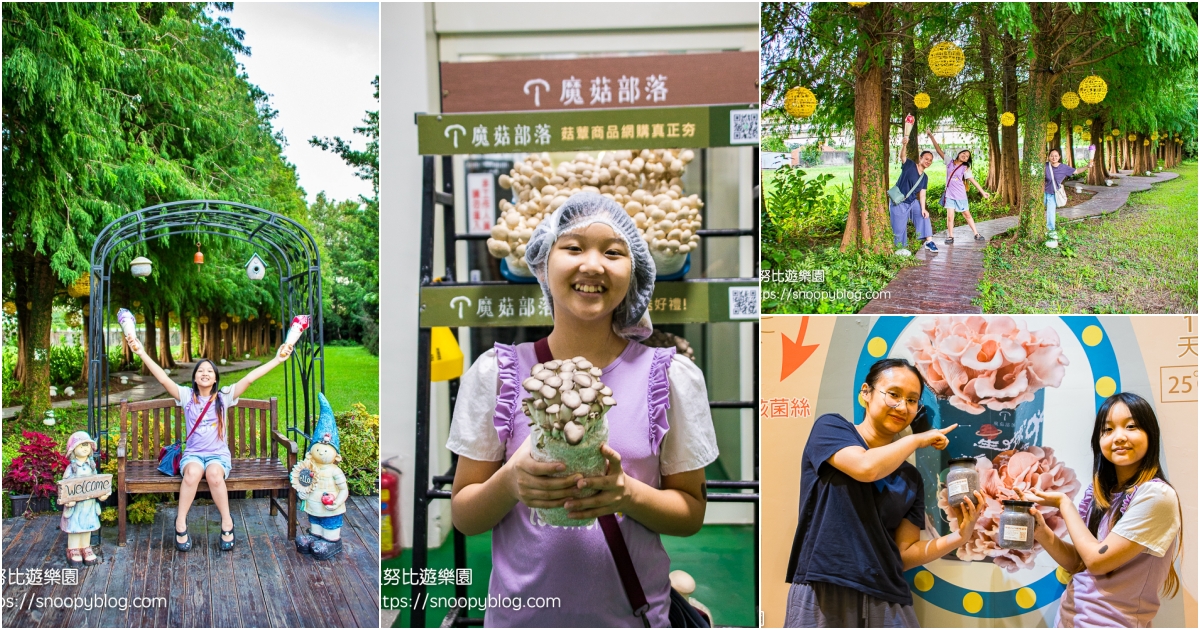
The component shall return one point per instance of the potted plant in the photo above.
(30, 479)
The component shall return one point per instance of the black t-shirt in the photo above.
(910, 176)
(844, 535)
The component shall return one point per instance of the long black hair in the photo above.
(970, 157)
(216, 390)
(1107, 493)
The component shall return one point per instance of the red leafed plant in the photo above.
(33, 471)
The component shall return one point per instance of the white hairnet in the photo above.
(630, 320)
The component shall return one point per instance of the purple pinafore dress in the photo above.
(1126, 597)
(531, 559)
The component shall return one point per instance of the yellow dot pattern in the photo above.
(1092, 335)
(1105, 386)
(877, 347)
(923, 581)
(1026, 598)
(973, 602)
(1062, 575)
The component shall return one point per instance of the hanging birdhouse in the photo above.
(1008, 119)
(1092, 89)
(255, 268)
(199, 257)
(1070, 100)
(140, 267)
(82, 287)
(946, 59)
(800, 102)
(1078, 129)
(1051, 127)
(921, 100)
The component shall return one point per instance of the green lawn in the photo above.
(1140, 259)
(719, 557)
(351, 376)
(841, 174)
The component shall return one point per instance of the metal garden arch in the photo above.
(288, 244)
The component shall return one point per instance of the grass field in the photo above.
(351, 376)
(1140, 259)
(841, 174)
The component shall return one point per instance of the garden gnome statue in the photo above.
(322, 488)
(80, 518)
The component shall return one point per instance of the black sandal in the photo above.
(183, 546)
(226, 545)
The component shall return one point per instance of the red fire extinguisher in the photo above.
(389, 508)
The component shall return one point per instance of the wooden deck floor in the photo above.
(264, 582)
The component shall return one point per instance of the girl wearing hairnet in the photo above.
(597, 274)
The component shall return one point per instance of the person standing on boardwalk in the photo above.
(958, 171)
(906, 201)
(1056, 173)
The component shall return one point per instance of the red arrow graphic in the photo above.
(795, 354)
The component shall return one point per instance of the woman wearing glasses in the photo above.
(862, 510)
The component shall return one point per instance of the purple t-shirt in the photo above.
(204, 442)
(1061, 173)
(956, 176)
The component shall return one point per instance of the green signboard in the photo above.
(503, 304)
(588, 130)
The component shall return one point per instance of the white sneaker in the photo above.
(903, 252)
(1052, 244)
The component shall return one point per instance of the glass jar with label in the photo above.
(1016, 526)
(962, 480)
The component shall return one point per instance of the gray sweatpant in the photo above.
(822, 605)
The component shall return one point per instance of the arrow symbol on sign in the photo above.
(795, 354)
(456, 129)
(459, 301)
(534, 83)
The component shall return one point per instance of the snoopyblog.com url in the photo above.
(788, 294)
(82, 603)
(424, 601)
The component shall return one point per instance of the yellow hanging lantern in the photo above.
(1092, 89)
(800, 102)
(236, 319)
(1088, 122)
(1131, 137)
(1051, 127)
(1085, 136)
(82, 287)
(946, 59)
(139, 318)
(1078, 129)
(1116, 132)
(921, 100)
(136, 304)
(1154, 136)
(203, 319)
(1145, 143)
(1008, 119)
(1070, 100)
(224, 325)
(858, 4)
(10, 308)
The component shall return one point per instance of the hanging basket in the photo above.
(1008, 119)
(921, 100)
(1051, 127)
(1092, 89)
(1070, 100)
(82, 287)
(800, 102)
(946, 59)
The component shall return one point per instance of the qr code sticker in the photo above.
(743, 302)
(743, 126)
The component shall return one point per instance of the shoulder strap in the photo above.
(612, 531)
(953, 173)
(200, 418)
(1051, 174)
(914, 186)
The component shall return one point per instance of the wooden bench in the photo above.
(254, 441)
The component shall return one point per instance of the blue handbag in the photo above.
(169, 456)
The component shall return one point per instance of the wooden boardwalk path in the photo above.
(263, 582)
(948, 282)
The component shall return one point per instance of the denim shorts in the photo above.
(957, 204)
(204, 461)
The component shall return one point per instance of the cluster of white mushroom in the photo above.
(661, 339)
(648, 184)
(567, 398)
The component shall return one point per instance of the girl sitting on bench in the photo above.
(206, 451)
